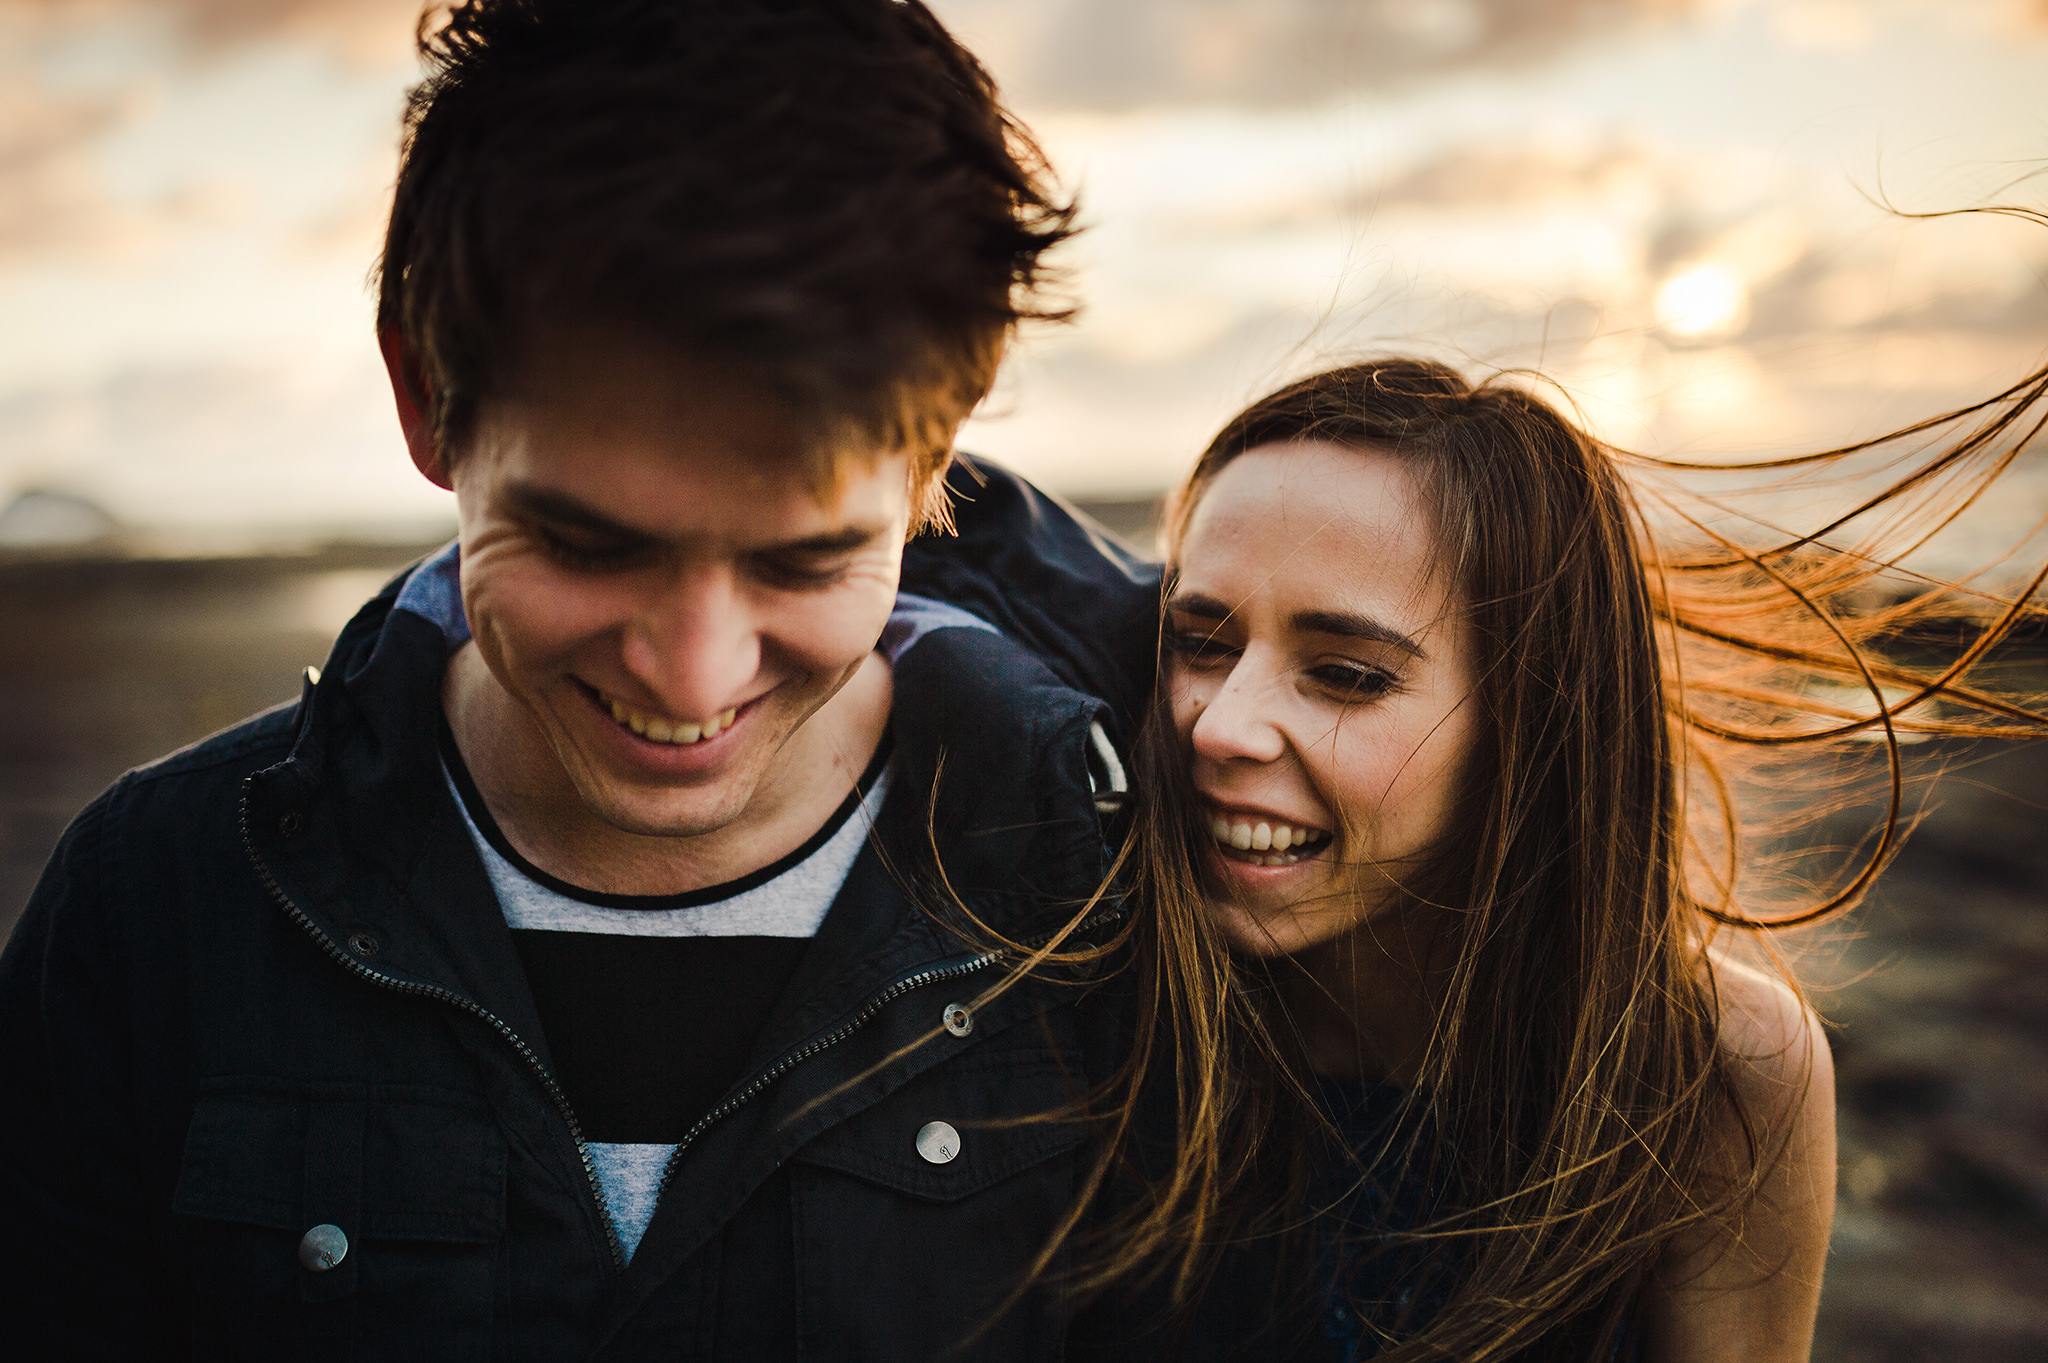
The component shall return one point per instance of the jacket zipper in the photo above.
(761, 1080)
(951, 970)
(467, 1005)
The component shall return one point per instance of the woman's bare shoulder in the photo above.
(1745, 1288)
(1776, 1040)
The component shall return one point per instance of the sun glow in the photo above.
(1701, 302)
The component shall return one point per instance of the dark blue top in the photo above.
(1371, 1282)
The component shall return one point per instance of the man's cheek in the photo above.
(854, 617)
(535, 612)
(842, 641)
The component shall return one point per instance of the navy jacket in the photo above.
(264, 985)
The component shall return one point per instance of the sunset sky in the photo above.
(1673, 208)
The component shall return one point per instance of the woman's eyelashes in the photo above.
(1351, 682)
(1198, 647)
(1354, 681)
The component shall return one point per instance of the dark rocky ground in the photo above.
(1939, 987)
(1938, 992)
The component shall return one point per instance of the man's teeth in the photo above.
(678, 732)
(1246, 836)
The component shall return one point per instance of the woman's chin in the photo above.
(1269, 937)
(1274, 910)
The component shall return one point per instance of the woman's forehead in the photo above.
(1316, 519)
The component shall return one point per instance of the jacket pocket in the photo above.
(957, 1212)
(341, 1221)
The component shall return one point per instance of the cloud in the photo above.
(285, 447)
(117, 131)
(364, 29)
(1086, 54)
(49, 197)
(371, 30)
(1066, 54)
(1490, 176)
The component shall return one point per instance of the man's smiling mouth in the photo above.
(1264, 842)
(677, 733)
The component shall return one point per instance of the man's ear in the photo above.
(415, 407)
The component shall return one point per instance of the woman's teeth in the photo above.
(1267, 844)
(677, 733)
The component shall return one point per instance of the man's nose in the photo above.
(1239, 720)
(695, 643)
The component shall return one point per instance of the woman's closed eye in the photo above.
(1353, 681)
(1198, 647)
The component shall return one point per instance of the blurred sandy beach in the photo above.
(1938, 988)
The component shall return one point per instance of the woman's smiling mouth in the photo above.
(1265, 842)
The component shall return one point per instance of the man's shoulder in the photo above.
(258, 741)
(1045, 576)
(169, 823)
(176, 792)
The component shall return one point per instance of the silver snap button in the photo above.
(959, 1021)
(323, 1247)
(938, 1142)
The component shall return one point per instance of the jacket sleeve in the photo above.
(82, 1237)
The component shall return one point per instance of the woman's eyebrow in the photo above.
(1344, 624)
(1203, 607)
(1349, 626)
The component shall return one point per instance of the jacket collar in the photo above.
(358, 831)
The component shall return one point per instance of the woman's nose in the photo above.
(1237, 720)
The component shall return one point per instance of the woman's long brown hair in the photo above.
(1576, 1088)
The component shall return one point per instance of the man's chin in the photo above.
(654, 816)
(631, 803)
(629, 790)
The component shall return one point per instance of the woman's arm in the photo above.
(1749, 1290)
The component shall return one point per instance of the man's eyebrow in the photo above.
(542, 503)
(842, 541)
(559, 508)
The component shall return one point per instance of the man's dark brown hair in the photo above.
(823, 194)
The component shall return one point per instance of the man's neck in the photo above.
(538, 808)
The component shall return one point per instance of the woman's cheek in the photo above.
(1183, 701)
(1356, 768)
(1384, 775)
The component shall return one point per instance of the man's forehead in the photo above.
(750, 508)
(617, 384)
